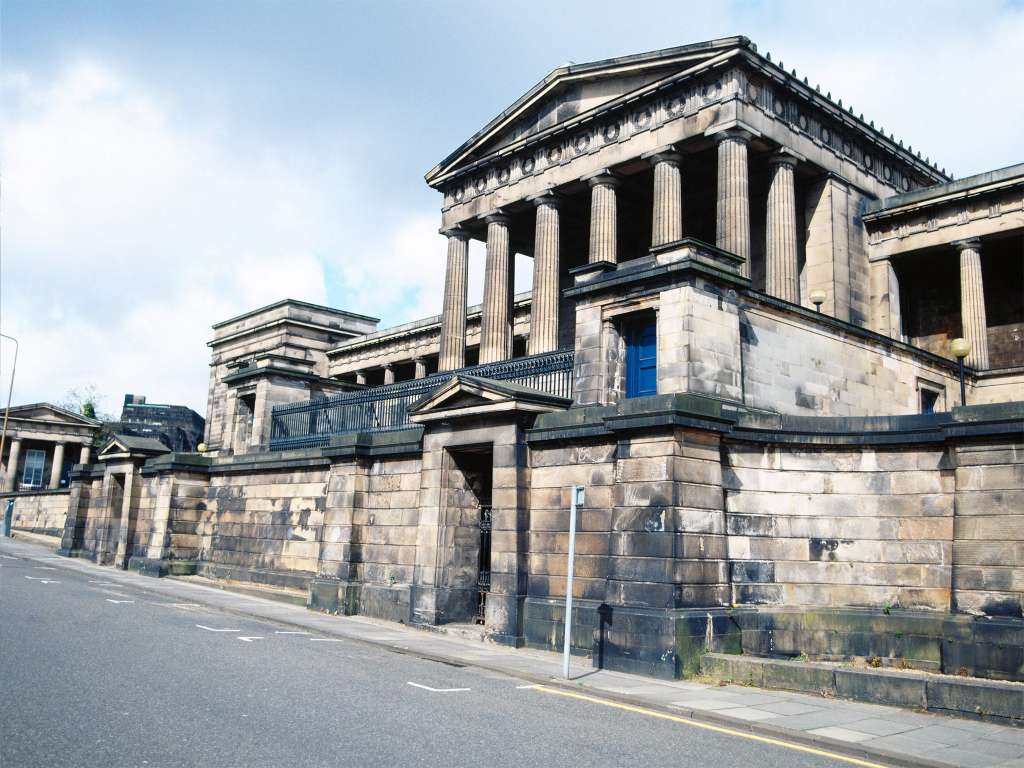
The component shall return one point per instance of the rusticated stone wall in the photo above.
(818, 526)
(260, 523)
(386, 522)
(42, 512)
(988, 546)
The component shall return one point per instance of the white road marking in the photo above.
(211, 629)
(44, 581)
(106, 583)
(325, 640)
(44, 567)
(248, 639)
(437, 690)
(526, 687)
(288, 632)
(119, 602)
(185, 605)
(8, 557)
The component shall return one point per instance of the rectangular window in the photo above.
(642, 358)
(32, 476)
(931, 396)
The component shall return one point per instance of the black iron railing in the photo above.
(310, 424)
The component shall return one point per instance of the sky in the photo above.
(166, 165)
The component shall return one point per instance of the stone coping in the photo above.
(297, 303)
(996, 700)
(34, 492)
(1011, 173)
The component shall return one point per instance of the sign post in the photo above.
(575, 499)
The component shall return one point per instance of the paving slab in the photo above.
(843, 734)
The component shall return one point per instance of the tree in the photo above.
(86, 401)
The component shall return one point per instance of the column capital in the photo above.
(498, 216)
(547, 197)
(603, 178)
(457, 232)
(786, 156)
(667, 154)
(972, 243)
(734, 129)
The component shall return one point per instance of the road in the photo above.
(102, 674)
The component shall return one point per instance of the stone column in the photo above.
(544, 307)
(361, 377)
(972, 303)
(453, 315)
(389, 374)
(733, 221)
(85, 454)
(496, 317)
(57, 466)
(604, 243)
(11, 477)
(421, 368)
(782, 276)
(667, 219)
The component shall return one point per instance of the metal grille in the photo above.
(310, 424)
(483, 580)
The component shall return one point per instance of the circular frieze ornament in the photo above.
(826, 134)
(528, 164)
(802, 122)
(779, 107)
(611, 132)
(675, 105)
(503, 174)
(581, 142)
(481, 184)
(752, 91)
(869, 161)
(460, 192)
(642, 118)
(887, 172)
(847, 147)
(906, 184)
(554, 153)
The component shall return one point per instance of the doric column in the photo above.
(421, 368)
(733, 228)
(603, 217)
(667, 219)
(58, 465)
(972, 303)
(361, 378)
(389, 374)
(452, 354)
(11, 477)
(84, 454)
(496, 318)
(782, 278)
(544, 306)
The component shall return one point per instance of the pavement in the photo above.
(106, 667)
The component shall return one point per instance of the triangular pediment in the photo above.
(129, 446)
(574, 90)
(50, 413)
(465, 396)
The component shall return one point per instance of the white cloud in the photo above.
(127, 234)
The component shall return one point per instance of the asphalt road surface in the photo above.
(100, 674)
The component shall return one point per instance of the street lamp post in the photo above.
(961, 348)
(10, 391)
(817, 298)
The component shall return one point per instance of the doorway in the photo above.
(471, 483)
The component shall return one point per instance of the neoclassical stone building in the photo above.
(738, 340)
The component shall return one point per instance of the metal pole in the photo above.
(576, 498)
(963, 389)
(10, 391)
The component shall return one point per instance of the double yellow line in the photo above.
(709, 727)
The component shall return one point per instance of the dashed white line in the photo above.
(44, 567)
(119, 602)
(526, 687)
(44, 581)
(248, 639)
(437, 690)
(325, 640)
(213, 629)
(288, 632)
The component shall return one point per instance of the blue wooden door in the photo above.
(642, 359)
